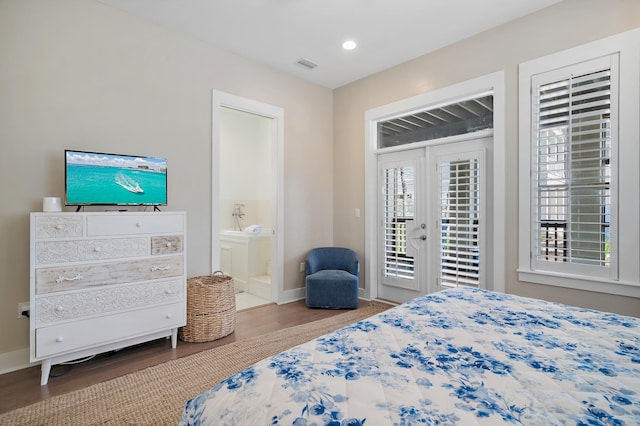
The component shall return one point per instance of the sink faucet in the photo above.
(237, 215)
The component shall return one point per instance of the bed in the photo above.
(461, 356)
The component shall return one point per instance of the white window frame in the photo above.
(623, 276)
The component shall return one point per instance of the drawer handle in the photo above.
(169, 316)
(138, 225)
(96, 249)
(58, 227)
(169, 245)
(168, 291)
(155, 268)
(62, 279)
(60, 339)
(59, 308)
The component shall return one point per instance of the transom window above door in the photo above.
(458, 118)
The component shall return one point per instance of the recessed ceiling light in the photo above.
(349, 45)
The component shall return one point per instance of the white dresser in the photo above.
(103, 281)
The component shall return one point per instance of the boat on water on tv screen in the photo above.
(93, 178)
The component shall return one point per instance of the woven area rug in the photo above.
(157, 395)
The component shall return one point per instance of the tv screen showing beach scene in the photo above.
(93, 178)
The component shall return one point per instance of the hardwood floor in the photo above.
(20, 388)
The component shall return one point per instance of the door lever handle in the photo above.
(421, 237)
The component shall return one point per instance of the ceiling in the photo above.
(279, 33)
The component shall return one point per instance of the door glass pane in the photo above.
(459, 223)
(399, 207)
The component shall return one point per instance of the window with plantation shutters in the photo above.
(579, 174)
(572, 167)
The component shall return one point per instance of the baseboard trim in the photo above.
(15, 360)
(289, 296)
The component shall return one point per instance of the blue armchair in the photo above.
(332, 278)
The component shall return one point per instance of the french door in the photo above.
(432, 211)
(401, 236)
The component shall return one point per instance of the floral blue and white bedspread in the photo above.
(456, 357)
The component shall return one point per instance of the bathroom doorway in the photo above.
(245, 210)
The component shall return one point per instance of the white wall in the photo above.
(564, 25)
(79, 74)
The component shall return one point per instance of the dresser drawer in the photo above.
(71, 277)
(166, 245)
(58, 226)
(132, 224)
(58, 339)
(67, 306)
(86, 250)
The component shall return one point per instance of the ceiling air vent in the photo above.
(306, 63)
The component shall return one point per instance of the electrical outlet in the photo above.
(22, 307)
(302, 266)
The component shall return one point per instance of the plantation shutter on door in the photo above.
(459, 222)
(399, 207)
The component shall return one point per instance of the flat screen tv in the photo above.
(94, 178)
